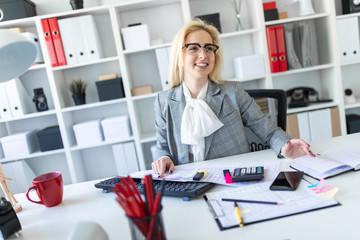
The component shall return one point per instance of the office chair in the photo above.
(272, 102)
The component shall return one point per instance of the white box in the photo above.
(136, 37)
(20, 144)
(249, 66)
(89, 132)
(116, 128)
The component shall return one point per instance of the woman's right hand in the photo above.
(161, 165)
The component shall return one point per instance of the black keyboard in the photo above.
(177, 189)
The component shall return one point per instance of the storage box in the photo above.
(50, 139)
(136, 37)
(110, 89)
(89, 132)
(19, 144)
(116, 128)
(249, 66)
(141, 90)
(352, 123)
(271, 14)
(212, 19)
(14, 9)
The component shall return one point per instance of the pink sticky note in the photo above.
(319, 186)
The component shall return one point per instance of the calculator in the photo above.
(248, 174)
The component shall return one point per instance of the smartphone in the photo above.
(287, 181)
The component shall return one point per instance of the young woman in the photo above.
(203, 117)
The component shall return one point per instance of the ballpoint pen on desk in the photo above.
(237, 212)
(250, 201)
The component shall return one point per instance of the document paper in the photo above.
(214, 172)
(292, 202)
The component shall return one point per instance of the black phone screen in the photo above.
(287, 181)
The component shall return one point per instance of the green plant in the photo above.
(77, 87)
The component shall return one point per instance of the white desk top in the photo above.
(193, 219)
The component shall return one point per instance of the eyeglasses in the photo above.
(194, 48)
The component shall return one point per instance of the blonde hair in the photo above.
(176, 68)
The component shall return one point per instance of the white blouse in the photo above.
(198, 121)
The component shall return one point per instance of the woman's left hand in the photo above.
(296, 148)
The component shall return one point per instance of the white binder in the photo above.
(67, 40)
(19, 100)
(5, 112)
(92, 40)
(320, 124)
(348, 35)
(78, 39)
(162, 59)
(120, 159)
(131, 158)
(304, 128)
(125, 158)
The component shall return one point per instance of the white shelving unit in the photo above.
(138, 68)
(349, 69)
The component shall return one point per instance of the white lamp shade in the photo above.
(17, 54)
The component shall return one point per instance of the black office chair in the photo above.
(272, 102)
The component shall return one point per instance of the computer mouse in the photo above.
(87, 230)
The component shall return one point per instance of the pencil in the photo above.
(237, 211)
(250, 201)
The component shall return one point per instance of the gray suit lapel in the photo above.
(214, 99)
(177, 105)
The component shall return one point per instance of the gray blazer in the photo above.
(234, 108)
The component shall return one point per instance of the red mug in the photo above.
(49, 188)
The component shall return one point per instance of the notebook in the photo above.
(329, 163)
(292, 202)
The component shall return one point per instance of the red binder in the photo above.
(49, 42)
(56, 37)
(272, 46)
(281, 47)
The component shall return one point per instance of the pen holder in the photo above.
(150, 227)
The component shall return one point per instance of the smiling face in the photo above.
(198, 66)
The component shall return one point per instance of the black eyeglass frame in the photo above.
(200, 46)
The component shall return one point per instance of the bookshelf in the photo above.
(139, 67)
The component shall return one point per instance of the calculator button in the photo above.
(243, 170)
(253, 170)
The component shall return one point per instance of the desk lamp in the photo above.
(17, 54)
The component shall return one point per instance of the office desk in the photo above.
(193, 219)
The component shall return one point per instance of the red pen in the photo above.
(154, 220)
(149, 192)
(135, 190)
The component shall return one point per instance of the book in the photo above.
(329, 163)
